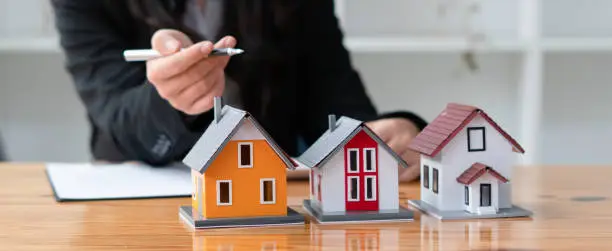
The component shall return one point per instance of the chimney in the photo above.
(332, 122)
(217, 109)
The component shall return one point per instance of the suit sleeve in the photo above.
(332, 85)
(117, 96)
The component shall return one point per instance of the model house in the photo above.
(353, 175)
(466, 166)
(238, 173)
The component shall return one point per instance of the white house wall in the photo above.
(427, 194)
(387, 181)
(475, 192)
(456, 159)
(313, 182)
(333, 187)
(248, 131)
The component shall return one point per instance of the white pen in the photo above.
(148, 54)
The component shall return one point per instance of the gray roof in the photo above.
(331, 141)
(218, 134)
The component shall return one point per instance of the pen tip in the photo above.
(238, 51)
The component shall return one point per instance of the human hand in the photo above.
(397, 133)
(186, 76)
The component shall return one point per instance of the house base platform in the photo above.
(186, 214)
(513, 212)
(402, 214)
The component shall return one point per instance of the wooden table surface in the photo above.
(572, 211)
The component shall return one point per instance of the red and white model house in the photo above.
(353, 176)
(466, 166)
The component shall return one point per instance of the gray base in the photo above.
(293, 217)
(359, 216)
(512, 212)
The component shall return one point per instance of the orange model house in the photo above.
(238, 174)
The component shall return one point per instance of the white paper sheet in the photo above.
(75, 182)
(87, 181)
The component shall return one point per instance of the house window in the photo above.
(245, 155)
(353, 160)
(467, 195)
(485, 195)
(370, 188)
(426, 176)
(353, 188)
(267, 191)
(476, 139)
(435, 180)
(224, 192)
(369, 159)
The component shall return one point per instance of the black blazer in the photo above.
(130, 121)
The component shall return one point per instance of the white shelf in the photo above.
(576, 44)
(43, 44)
(417, 45)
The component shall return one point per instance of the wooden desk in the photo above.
(572, 206)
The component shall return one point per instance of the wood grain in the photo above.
(572, 206)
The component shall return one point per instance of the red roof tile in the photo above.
(447, 125)
(477, 170)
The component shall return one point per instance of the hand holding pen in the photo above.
(186, 74)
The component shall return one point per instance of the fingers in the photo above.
(409, 174)
(205, 102)
(381, 130)
(198, 97)
(400, 143)
(226, 42)
(168, 41)
(166, 67)
(413, 159)
(185, 75)
(197, 72)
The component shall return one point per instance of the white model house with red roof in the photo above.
(466, 166)
(353, 175)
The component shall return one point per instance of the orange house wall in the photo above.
(245, 182)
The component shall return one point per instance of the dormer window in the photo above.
(476, 139)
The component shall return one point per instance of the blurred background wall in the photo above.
(540, 68)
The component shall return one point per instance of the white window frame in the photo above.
(250, 144)
(348, 160)
(480, 130)
(349, 186)
(219, 193)
(261, 191)
(365, 188)
(373, 160)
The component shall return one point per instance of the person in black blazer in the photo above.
(295, 72)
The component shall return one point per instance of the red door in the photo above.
(361, 172)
